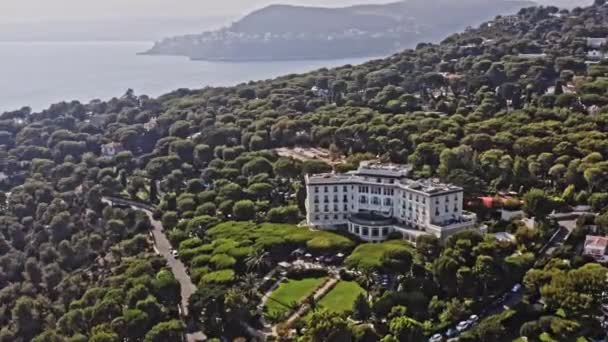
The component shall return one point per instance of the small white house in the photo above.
(595, 55)
(111, 149)
(596, 43)
(596, 246)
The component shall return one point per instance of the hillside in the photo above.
(281, 32)
(518, 105)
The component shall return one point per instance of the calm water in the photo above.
(39, 74)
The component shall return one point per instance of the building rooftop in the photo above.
(382, 169)
(599, 242)
(374, 169)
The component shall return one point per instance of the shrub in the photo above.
(219, 277)
(329, 242)
(377, 256)
(200, 260)
(244, 210)
(190, 243)
(222, 261)
(169, 220)
(206, 209)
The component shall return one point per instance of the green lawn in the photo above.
(291, 291)
(371, 255)
(342, 297)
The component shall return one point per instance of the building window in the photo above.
(345, 199)
(378, 180)
(392, 181)
(346, 207)
(375, 232)
(316, 217)
(327, 217)
(384, 231)
(447, 210)
(344, 216)
(326, 199)
(325, 189)
(316, 207)
(365, 231)
(316, 189)
(335, 188)
(345, 188)
(326, 208)
(437, 211)
(424, 200)
(388, 201)
(455, 208)
(336, 207)
(316, 198)
(336, 198)
(375, 200)
(357, 230)
(363, 200)
(335, 217)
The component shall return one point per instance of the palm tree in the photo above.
(249, 284)
(259, 260)
(367, 280)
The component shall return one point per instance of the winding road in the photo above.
(163, 248)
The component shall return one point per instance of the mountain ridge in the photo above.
(289, 32)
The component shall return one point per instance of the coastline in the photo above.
(268, 60)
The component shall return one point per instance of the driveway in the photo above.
(163, 248)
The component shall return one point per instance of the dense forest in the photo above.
(518, 104)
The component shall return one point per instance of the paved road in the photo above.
(163, 247)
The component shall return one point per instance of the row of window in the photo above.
(326, 208)
(335, 217)
(336, 198)
(375, 200)
(335, 188)
(366, 231)
(376, 190)
(416, 199)
(379, 180)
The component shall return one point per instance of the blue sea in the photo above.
(38, 74)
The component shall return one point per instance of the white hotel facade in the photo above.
(379, 199)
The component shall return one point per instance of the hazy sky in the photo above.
(31, 10)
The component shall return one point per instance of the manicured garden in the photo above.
(342, 297)
(376, 256)
(223, 259)
(292, 292)
(267, 235)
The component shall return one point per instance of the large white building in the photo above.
(379, 199)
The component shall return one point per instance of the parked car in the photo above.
(451, 333)
(174, 253)
(516, 288)
(436, 338)
(473, 319)
(462, 326)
